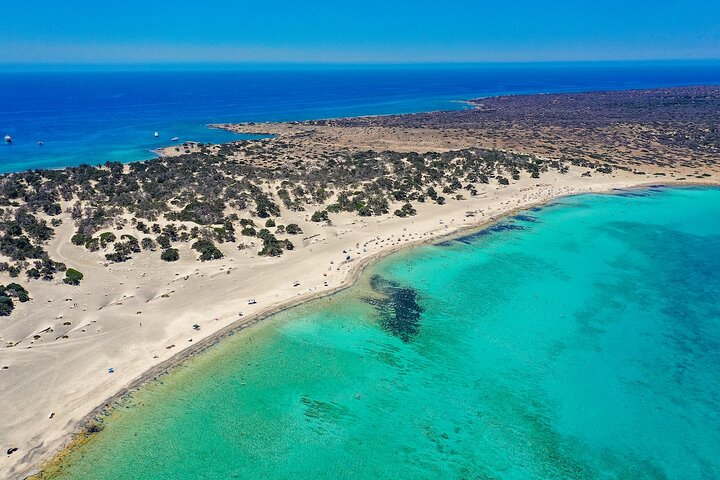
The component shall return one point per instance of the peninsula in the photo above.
(112, 274)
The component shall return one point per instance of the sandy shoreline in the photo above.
(349, 277)
(71, 351)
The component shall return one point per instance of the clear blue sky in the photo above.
(360, 31)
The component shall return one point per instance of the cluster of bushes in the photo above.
(293, 229)
(207, 249)
(362, 203)
(95, 216)
(203, 185)
(19, 247)
(202, 212)
(272, 247)
(147, 189)
(37, 230)
(123, 249)
(433, 195)
(248, 227)
(249, 231)
(45, 269)
(148, 243)
(93, 244)
(105, 238)
(73, 277)
(22, 234)
(13, 270)
(320, 216)
(264, 205)
(406, 211)
(287, 200)
(128, 244)
(225, 233)
(170, 255)
(7, 293)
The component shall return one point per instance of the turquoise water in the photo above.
(578, 340)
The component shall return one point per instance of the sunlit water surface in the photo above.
(578, 340)
(98, 116)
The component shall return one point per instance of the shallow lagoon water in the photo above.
(577, 340)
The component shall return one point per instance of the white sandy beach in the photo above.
(137, 317)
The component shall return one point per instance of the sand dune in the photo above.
(137, 318)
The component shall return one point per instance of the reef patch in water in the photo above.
(397, 306)
(469, 239)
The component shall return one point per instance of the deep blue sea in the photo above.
(96, 116)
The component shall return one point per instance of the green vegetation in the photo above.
(265, 206)
(72, 277)
(52, 209)
(406, 211)
(19, 248)
(124, 249)
(272, 247)
(45, 269)
(293, 229)
(320, 216)
(207, 249)
(205, 194)
(163, 240)
(6, 305)
(148, 243)
(170, 255)
(248, 231)
(79, 239)
(15, 290)
(226, 233)
(105, 238)
(202, 212)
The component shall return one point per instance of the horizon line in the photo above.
(41, 66)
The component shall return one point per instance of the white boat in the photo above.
(175, 139)
(8, 138)
(157, 134)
